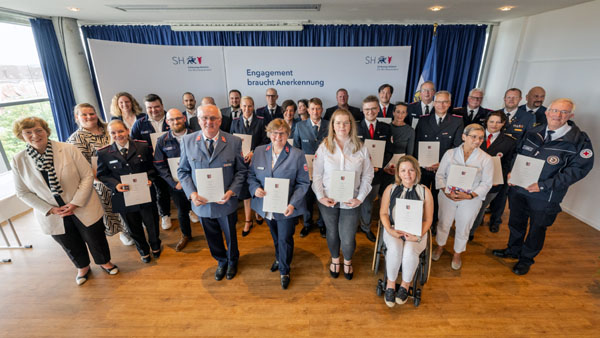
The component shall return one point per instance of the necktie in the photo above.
(371, 131)
(549, 136)
(426, 110)
(272, 112)
(124, 152)
(439, 121)
(471, 113)
(530, 111)
(508, 118)
(384, 112)
(235, 114)
(489, 141)
(211, 147)
(247, 124)
(316, 129)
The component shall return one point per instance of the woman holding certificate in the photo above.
(342, 175)
(463, 178)
(125, 167)
(56, 181)
(404, 247)
(278, 180)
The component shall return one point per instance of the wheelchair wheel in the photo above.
(379, 288)
(427, 259)
(377, 250)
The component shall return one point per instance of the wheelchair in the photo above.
(421, 275)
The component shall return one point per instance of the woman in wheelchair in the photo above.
(403, 249)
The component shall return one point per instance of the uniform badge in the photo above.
(553, 160)
(586, 153)
(306, 167)
(499, 155)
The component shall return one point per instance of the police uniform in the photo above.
(539, 116)
(290, 164)
(308, 140)
(448, 134)
(218, 220)
(568, 159)
(266, 115)
(259, 137)
(111, 166)
(167, 146)
(355, 111)
(519, 124)
(381, 132)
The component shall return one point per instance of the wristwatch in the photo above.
(419, 239)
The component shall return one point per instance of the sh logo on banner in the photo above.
(369, 60)
(187, 60)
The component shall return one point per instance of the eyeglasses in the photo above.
(442, 102)
(279, 134)
(478, 98)
(172, 119)
(563, 112)
(475, 137)
(209, 118)
(37, 131)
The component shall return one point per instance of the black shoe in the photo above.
(433, 229)
(521, 268)
(334, 274)
(146, 259)
(323, 231)
(401, 296)
(471, 237)
(259, 221)
(390, 297)
(244, 232)
(275, 266)
(305, 230)
(285, 281)
(370, 236)
(348, 275)
(220, 273)
(504, 253)
(157, 253)
(231, 271)
(494, 227)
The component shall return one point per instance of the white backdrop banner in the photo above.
(305, 72)
(296, 72)
(168, 71)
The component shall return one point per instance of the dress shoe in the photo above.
(126, 239)
(220, 273)
(504, 253)
(304, 232)
(146, 259)
(80, 280)
(401, 296)
(521, 268)
(231, 271)
(350, 272)
(111, 271)
(182, 243)
(193, 217)
(285, 281)
(471, 237)
(323, 231)
(157, 253)
(166, 222)
(370, 235)
(259, 220)
(275, 266)
(244, 232)
(456, 264)
(390, 297)
(333, 273)
(494, 227)
(436, 254)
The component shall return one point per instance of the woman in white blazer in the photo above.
(57, 182)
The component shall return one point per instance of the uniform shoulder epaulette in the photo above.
(141, 141)
(260, 117)
(236, 118)
(456, 115)
(106, 146)
(458, 108)
(509, 135)
(425, 115)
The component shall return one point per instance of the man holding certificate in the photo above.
(370, 129)
(278, 180)
(342, 175)
(167, 149)
(463, 178)
(569, 157)
(216, 156)
(440, 127)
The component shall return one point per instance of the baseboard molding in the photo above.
(593, 223)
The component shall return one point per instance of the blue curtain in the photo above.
(461, 46)
(57, 80)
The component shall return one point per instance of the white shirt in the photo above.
(247, 119)
(325, 163)
(494, 136)
(126, 146)
(475, 111)
(479, 159)
(374, 123)
(157, 125)
(423, 105)
(180, 137)
(533, 110)
(560, 132)
(216, 139)
(318, 124)
(274, 157)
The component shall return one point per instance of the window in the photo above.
(22, 88)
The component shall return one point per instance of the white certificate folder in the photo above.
(342, 185)
(526, 171)
(429, 153)
(376, 150)
(139, 191)
(408, 216)
(210, 184)
(460, 178)
(276, 199)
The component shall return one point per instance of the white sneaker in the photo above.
(193, 217)
(166, 222)
(126, 239)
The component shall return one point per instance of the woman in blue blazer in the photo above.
(280, 160)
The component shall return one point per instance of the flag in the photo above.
(429, 72)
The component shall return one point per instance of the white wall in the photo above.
(559, 51)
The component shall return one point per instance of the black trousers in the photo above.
(311, 205)
(428, 180)
(497, 206)
(183, 211)
(282, 232)
(163, 196)
(77, 236)
(148, 216)
(539, 214)
(214, 229)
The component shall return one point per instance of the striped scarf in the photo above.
(45, 162)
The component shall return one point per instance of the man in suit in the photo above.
(534, 105)
(569, 157)
(473, 112)
(423, 107)
(439, 127)
(233, 110)
(386, 109)
(212, 148)
(517, 123)
(309, 134)
(155, 122)
(272, 110)
(341, 97)
(189, 101)
(370, 128)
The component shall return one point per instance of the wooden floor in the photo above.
(178, 296)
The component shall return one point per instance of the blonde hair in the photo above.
(413, 161)
(29, 122)
(114, 104)
(277, 124)
(77, 110)
(329, 141)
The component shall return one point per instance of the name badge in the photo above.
(260, 168)
(114, 161)
(169, 148)
(528, 148)
(227, 165)
(304, 140)
(145, 132)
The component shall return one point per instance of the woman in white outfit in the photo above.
(457, 205)
(403, 249)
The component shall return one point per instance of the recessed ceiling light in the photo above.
(506, 8)
(73, 9)
(436, 8)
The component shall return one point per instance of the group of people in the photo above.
(79, 206)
